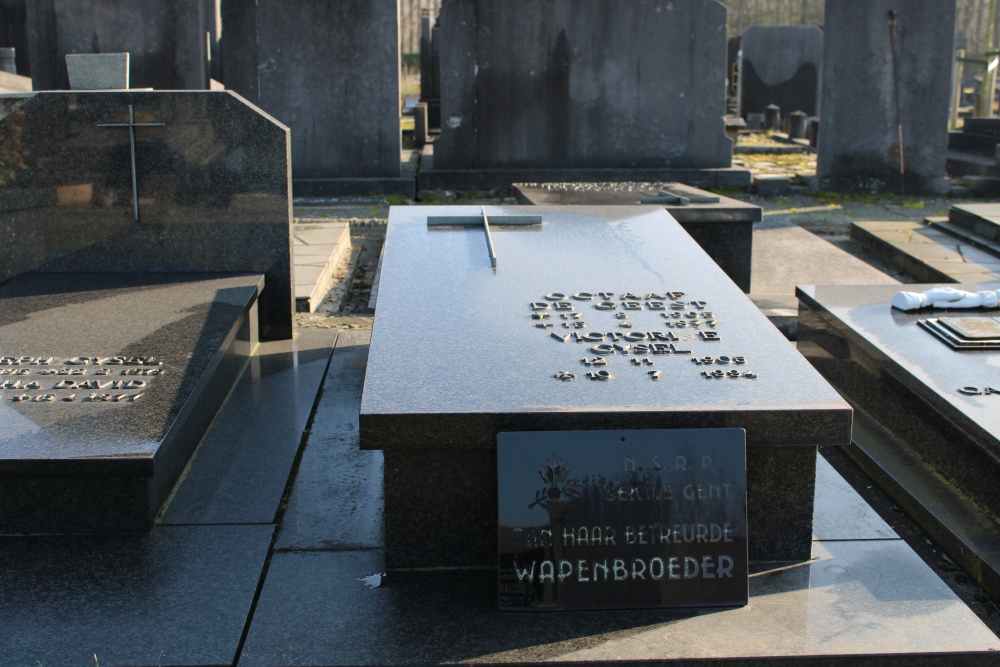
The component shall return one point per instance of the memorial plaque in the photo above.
(965, 333)
(622, 519)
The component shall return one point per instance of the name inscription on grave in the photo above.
(78, 379)
(622, 519)
(648, 328)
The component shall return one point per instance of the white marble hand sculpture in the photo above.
(945, 297)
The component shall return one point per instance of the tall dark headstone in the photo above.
(166, 39)
(780, 65)
(13, 32)
(330, 71)
(871, 59)
(209, 184)
(588, 87)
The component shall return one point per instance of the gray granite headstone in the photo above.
(166, 39)
(560, 84)
(597, 318)
(780, 65)
(330, 71)
(859, 147)
(97, 71)
(212, 185)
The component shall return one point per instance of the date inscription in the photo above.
(33, 380)
(649, 328)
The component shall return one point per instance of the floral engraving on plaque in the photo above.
(558, 485)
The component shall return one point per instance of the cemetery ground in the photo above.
(349, 303)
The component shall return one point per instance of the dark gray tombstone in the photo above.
(722, 226)
(14, 32)
(772, 117)
(166, 39)
(798, 125)
(973, 151)
(594, 318)
(430, 68)
(860, 147)
(198, 183)
(578, 96)
(780, 65)
(420, 128)
(330, 71)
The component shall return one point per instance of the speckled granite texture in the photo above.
(70, 462)
(213, 187)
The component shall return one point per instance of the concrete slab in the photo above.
(867, 601)
(786, 255)
(336, 502)
(178, 596)
(233, 478)
(931, 252)
(318, 248)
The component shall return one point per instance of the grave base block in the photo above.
(441, 506)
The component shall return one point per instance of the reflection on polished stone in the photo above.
(212, 188)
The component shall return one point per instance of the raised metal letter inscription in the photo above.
(119, 380)
(640, 333)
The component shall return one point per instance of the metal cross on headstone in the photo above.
(131, 125)
(476, 220)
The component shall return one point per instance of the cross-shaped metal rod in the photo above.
(475, 220)
(131, 125)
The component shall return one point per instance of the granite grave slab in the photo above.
(721, 225)
(936, 400)
(928, 424)
(148, 182)
(596, 318)
(107, 383)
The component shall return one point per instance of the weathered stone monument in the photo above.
(590, 319)
(330, 71)
(170, 42)
(589, 93)
(144, 249)
(875, 54)
(780, 65)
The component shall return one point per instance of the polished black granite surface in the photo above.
(179, 596)
(932, 399)
(533, 346)
(483, 364)
(107, 383)
(723, 227)
(213, 185)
